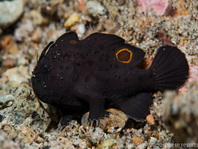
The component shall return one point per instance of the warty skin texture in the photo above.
(100, 72)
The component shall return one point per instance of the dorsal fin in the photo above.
(67, 37)
(105, 39)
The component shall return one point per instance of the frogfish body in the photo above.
(102, 71)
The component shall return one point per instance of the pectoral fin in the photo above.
(137, 107)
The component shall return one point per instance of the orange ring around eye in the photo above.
(122, 58)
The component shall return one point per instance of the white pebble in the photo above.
(153, 140)
(81, 30)
(95, 8)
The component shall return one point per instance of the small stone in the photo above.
(8, 63)
(106, 143)
(10, 11)
(81, 5)
(81, 30)
(24, 31)
(150, 119)
(153, 140)
(95, 135)
(22, 61)
(74, 18)
(137, 140)
(36, 36)
(95, 8)
(83, 144)
(18, 74)
(8, 43)
(6, 101)
(114, 122)
(38, 19)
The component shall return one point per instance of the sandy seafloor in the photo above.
(25, 122)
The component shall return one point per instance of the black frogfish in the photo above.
(102, 72)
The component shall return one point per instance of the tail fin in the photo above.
(170, 68)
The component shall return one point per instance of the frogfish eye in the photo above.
(124, 55)
(46, 68)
